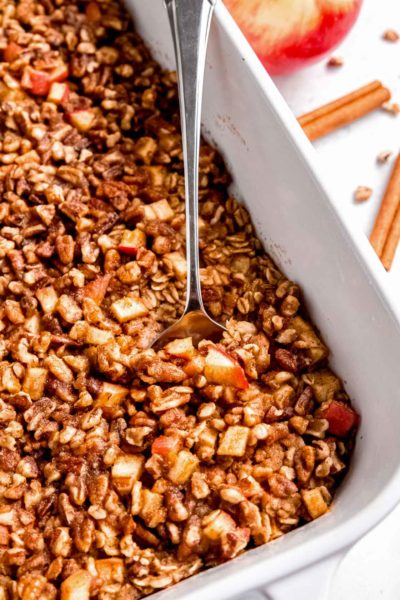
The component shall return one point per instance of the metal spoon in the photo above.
(190, 24)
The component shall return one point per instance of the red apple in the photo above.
(289, 34)
(131, 241)
(58, 92)
(222, 369)
(341, 417)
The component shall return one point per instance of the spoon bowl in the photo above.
(190, 25)
(195, 324)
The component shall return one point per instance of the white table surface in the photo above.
(371, 570)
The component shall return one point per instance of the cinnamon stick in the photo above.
(344, 110)
(387, 211)
(392, 241)
(339, 102)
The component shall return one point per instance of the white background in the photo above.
(350, 153)
(371, 570)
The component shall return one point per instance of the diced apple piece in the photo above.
(25, 83)
(183, 468)
(34, 382)
(182, 348)
(324, 385)
(131, 241)
(58, 74)
(125, 471)
(83, 119)
(48, 299)
(128, 308)
(110, 398)
(152, 511)
(217, 523)
(341, 417)
(233, 441)
(76, 586)
(96, 289)
(32, 324)
(37, 82)
(11, 52)
(158, 210)
(68, 309)
(93, 13)
(222, 369)
(9, 381)
(111, 570)
(83, 332)
(58, 92)
(166, 446)
(98, 336)
(315, 503)
(8, 516)
(78, 331)
(306, 334)
(178, 263)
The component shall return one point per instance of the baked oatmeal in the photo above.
(123, 470)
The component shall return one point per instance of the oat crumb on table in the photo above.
(384, 156)
(390, 35)
(362, 193)
(392, 107)
(123, 470)
(335, 61)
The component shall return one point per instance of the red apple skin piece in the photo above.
(341, 417)
(11, 52)
(96, 289)
(37, 82)
(131, 242)
(283, 50)
(166, 446)
(222, 369)
(129, 250)
(59, 74)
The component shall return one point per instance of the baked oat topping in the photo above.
(123, 470)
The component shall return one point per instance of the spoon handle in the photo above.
(190, 24)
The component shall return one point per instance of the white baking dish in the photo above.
(275, 175)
